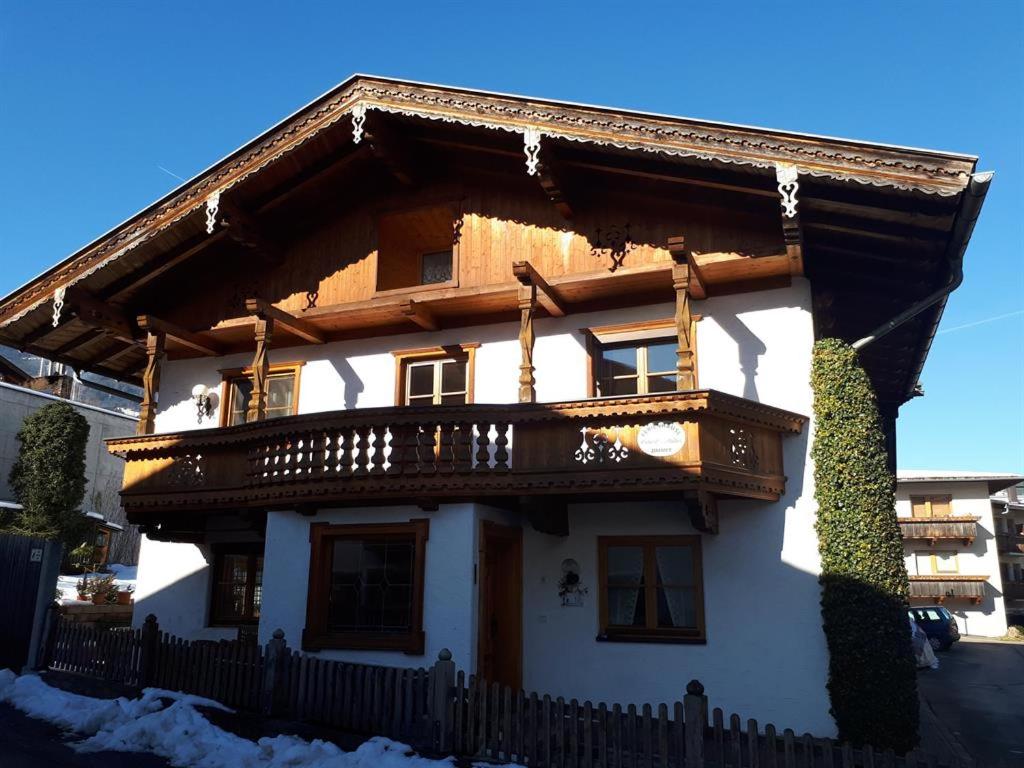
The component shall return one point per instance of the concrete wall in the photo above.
(765, 656)
(980, 558)
(103, 471)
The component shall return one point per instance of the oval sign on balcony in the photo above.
(661, 438)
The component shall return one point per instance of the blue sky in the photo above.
(104, 103)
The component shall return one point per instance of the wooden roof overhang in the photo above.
(877, 221)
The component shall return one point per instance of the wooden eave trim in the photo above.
(932, 577)
(903, 168)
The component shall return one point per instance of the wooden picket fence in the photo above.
(441, 710)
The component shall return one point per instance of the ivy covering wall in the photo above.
(48, 477)
(872, 677)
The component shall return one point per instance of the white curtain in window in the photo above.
(675, 566)
(625, 565)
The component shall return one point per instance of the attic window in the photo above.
(417, 248)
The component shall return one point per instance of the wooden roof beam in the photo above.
(246, 231)
(79, 340)
(197, 342)
(547, 296)
(682, 255)
(98, 313)
(391, 149)
(133, 281)
(551, 178)
(296, 325)
(419, 314)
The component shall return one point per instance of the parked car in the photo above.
(938, 624)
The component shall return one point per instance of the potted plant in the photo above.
(124, 596)
(102, 586)
(84, 587)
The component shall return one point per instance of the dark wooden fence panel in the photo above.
(442, 710)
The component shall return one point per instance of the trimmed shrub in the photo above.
(48, 477)
(872, 678)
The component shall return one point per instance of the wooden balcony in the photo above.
(944, 587)
(1013, 590)
(934, 529)
(1010, 543)
(693, 446)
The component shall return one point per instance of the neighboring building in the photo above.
(951, 544)
(117, 540)
(1008, 512)
(554, 366)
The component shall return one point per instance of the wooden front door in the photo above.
(500, 629)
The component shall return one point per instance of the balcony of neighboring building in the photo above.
(1010, 543)
(932, 529)
(942, 587)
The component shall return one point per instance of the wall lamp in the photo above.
(204, 405)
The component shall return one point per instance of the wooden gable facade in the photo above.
(388, 207)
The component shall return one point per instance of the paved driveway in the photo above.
(978, 695)
(28, 743)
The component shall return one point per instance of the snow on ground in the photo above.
(180, 733)
(67, 584)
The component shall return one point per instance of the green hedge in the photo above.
(48, 477)
(872, 676)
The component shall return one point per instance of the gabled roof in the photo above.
(996, 481)
(912, 195)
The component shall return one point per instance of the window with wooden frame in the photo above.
(635, 358)
(651, 588)
(435, 375)
(282, 393)
(931, 506)
(418, 248)
(929, 563)
(366, 586)
(237, 584)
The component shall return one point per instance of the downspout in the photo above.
(963, 226)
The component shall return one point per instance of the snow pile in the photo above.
(67, 584)
(184, 737)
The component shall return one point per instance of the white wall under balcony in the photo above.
(979, 558)
(753, 345)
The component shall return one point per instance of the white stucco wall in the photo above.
(749, 344)
(979, 558)
(765, 656)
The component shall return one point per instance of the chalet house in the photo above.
(427, 367)
(954, 539)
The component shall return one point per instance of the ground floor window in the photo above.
(237, 584)
(651, 588)
(366, 586)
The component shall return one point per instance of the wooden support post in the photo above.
(274, 660)
(695, 714)
(260, 370)
(527, 308)
(442, 680)
(702, 508)
(150, 382)
(681, 279)
(150, 647)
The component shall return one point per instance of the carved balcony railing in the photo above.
(933, 529)
(1013, 590)
(702, 443)
(944, 587)
(1010, 543)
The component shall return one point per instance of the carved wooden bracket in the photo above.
(420, 315)
(683, 281)
(702, 507)
(546, 515)
(264, 333)
(301, 328)
(150, 383)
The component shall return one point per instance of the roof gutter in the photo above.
(966, 217)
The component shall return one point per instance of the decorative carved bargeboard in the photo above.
(702, 441)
